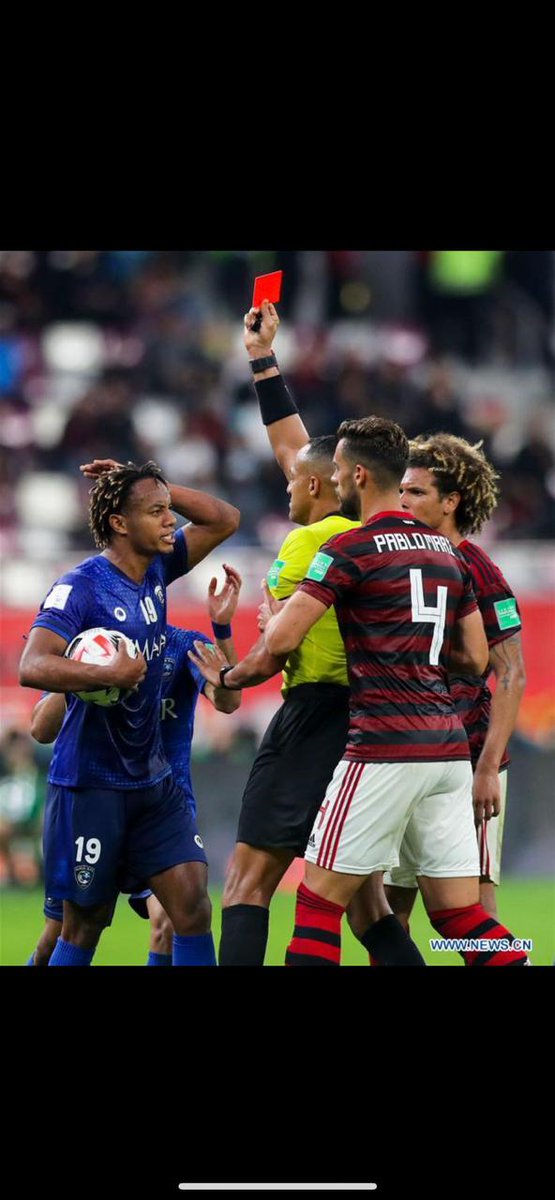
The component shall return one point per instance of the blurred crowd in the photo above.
(138, 354)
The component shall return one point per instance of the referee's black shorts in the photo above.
(298, 754)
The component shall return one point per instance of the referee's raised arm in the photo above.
(286, 432)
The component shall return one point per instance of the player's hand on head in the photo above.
(99, 466)
(222, 605)
(261, 341)
(127, 672)
(209, 659)
(486, 794)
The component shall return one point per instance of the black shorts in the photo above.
(297, 757)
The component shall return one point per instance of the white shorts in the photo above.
(490, 839)
(369, 808)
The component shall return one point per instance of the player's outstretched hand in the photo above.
(261, 342)
(209, 659)
(124, 671)
(99, 466)
(222, 605)
(486, 794)
(268, 607)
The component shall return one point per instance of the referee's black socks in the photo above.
(390, 945)
(244, 936)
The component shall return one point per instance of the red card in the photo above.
(267, 287)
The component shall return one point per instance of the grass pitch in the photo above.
(527, 907)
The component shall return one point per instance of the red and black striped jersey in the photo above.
(398, 589)
(501, 617)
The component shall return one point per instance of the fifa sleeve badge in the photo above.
(275, 572)
(506, 613)
(319, 566)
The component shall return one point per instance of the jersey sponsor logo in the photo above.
(151, 650)
(319, 566)
(57, 598)
(120, 614)
(275, 571)
(84, 876)
(198, 841)
(506, 613)
(386, 542)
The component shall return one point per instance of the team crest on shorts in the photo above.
(84, 876)
(199, 841)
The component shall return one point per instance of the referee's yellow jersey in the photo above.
(320, 658)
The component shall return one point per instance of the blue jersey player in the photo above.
(117, 821)
(181, 686)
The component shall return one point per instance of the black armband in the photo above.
(274, 399)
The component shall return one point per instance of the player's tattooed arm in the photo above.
(288, 434)
(47, 717)
(507, 662)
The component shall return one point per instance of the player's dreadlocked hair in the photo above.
(379, 444)
(458, 466)
(110, 493)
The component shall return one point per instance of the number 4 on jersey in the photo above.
(427, 612)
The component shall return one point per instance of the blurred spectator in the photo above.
(22, 791)
(101, 424)
(528, 489)
(440, 406)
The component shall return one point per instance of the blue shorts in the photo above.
(138, 903)
(100, 841)
(54, 909)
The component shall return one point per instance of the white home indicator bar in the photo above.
(278, 1187)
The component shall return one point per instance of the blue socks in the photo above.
(158, 960)
(66, 955)
(31, 962)
(194, 951)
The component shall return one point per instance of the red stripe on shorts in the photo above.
(339, 812)
(346, 781)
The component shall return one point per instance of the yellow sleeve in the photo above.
(291, 564)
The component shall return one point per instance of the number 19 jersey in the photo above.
(119, 747)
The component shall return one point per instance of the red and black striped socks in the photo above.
(473, 922)
(316, 940)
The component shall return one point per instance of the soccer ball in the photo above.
(99, 646)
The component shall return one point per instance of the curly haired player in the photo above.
(451, 486)
(116, 820)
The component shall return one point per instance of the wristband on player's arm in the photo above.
(221, 632)
(274, 399)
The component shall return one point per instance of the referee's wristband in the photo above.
(221, 632)
(263, 364)
(274, 399)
